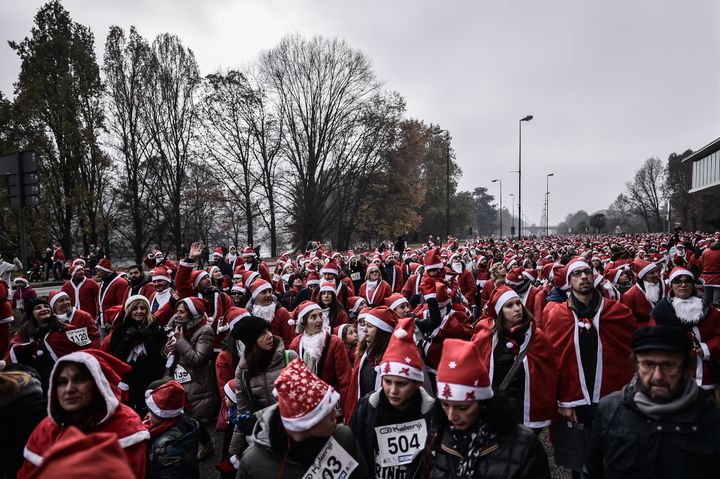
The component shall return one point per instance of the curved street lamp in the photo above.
(527, 118)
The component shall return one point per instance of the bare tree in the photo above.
(645, 193)
(170, 112)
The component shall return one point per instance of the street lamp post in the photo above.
(547, 203)
(512, 217)
(437, 131)
(527, 118)
(495, 181)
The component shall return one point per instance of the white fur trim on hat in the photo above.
(433, 266)
(230, 393)
(306, 310)
(56, 297)
(313, 281)
(461, 392)
(647, 269)
(199, 278)
(400, 369)
(328, 288)
(312, 418)
(573, 266)
(260, 289)
(398, 302)
(97, 266)
(680, 272)
(190, 307)
(132, 299)
(378, 323)
(504, 298)
(162, 277)
(161, 413)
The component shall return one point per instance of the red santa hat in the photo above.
(441, 294)
(500, 296)
(613, 274)
(105, 265)
(76, 268)
(574, 264)
(218, 252)
(402, 357)
(21, 281)
(237, 289)
(382, 317)
(432, 260)
(229, 390)
(161, 274)
(54, 296)
(461, 374)
(303, 398)
(514, 277)
(641, 267)
(211, 270)
(395, 300)
(78, 261)
(196, 306)
(258, 286)
(328, 287)
(680, 271)
(133, 298)
(166, 401)
(237, 272)
(107, 372)
(340, 330)
(235, 314)
(330, 268)
(313, 279)
(300, 312)
(354, 303)
(248, 252)
(249, 277)
(197, 276)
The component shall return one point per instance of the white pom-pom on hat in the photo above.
(400, 333)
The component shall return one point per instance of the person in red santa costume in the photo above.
(42, 339)
(84, 392)
(709, 263)
(6, 317)
(645, 293)
(591, 337)
(83, 292)
(321, 351)
(522, 283)
(263, 304)
(509, 335)
(251, 263)
(333, 312)
(465, 279)
(193, 282)
(374, 289)
(62, 307)
(161, 277)
(112, 292)
(685, 308)
(330, 273)
(392, 272)
(156, 258)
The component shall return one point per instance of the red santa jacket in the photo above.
(397, 281)
(336, 369)
(533, 303)
(467, 286)
(121, 420)
(486, 292)
(635, 299)
(411, 286)
(147, 290)
(111, 293)
(539, 365)
(225, 366)
(84, 295)
(152, 263)
(56, 344)
(81, 319)
(262, 268)
(456, 324)
(615, 324)
(6, 316)
(382, 291)
(709, 263)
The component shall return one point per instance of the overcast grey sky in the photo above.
(610, 83)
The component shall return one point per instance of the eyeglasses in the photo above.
(682, 281)
(665, 367)
(579, 272)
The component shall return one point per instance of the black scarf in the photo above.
(471, 444)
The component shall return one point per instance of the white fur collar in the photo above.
(689, 311)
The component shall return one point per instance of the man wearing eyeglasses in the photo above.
(660, 424)
(684, 308)
(591, 336)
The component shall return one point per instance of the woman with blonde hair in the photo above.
(138, 340)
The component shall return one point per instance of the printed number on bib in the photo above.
(355, 276)
(78, 336)
(182, 375)
(398, 444)
(333, 462)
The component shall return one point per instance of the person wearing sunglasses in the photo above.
(686, 309)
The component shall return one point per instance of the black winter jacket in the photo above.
(516, 454)
(625, 443)
(173, 454)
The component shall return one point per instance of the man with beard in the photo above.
(82, 291)
(645, 294)
(684, 308)
(660, 425)
(591, 336)
(392, 273)
(112, 292)
(161, 278)
(465, 279)
(198, 283)
(264, 305)
(140, 283)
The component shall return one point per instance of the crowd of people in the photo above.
(447, 360)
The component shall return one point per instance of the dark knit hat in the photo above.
(30, 303)
(249, 329)
(661, 338)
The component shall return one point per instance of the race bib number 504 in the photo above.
(398, 444)
(333, 462)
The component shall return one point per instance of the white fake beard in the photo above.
(265, 312)
(371, 284)
(689, 311)
(248, 266)
(652, 292)
(326, 319)
(65, 318)
(312, 347)
(457, 267)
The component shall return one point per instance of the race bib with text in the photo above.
(78, 336)
(182, 375)
(333, 462)
(398, 444)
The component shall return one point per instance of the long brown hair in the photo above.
(499, 325)
(258, 359)
(375, 353)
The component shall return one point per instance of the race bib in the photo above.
(20, 304)
(355, 276)
(182, 375)
(398, 444)
(333, 462)
(78, 336)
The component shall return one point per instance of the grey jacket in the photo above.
(196, 357)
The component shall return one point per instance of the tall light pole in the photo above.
(437, 131)
(547, 203)
(527, 118)
(512, 217)
(495, 181)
